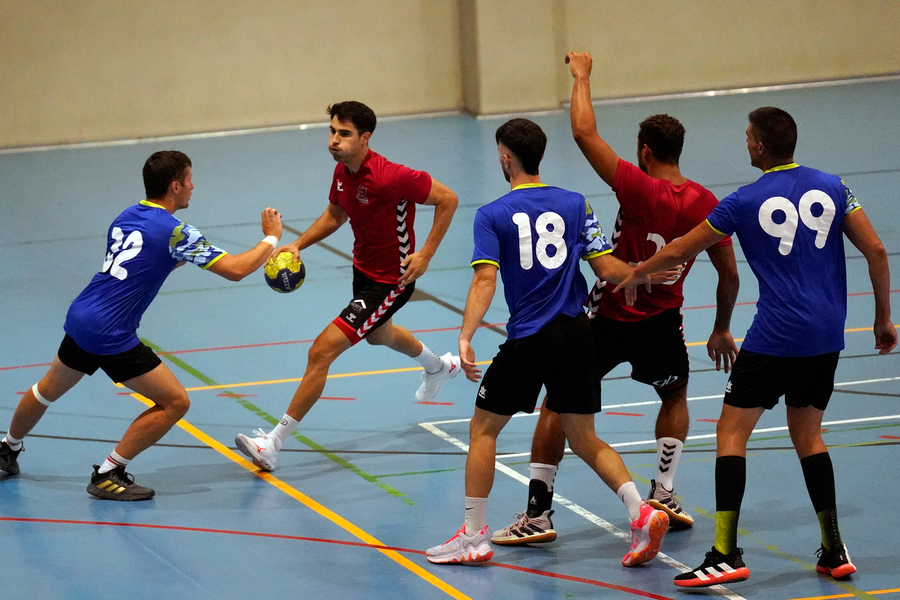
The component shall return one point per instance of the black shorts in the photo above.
(560, 356)
(759, 380)
(120, 367)
(654, 347)
(372, 305)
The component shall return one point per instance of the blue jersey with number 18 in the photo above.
(536, 235)
(790, 227)
(144, 244)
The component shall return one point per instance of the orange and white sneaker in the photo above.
(647, 532)
(462, 548)
(260, 449)
(433, 382)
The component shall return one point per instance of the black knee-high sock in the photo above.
(731, 479)
(819, 475)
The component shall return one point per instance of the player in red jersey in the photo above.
(657, 204)
(379, 199)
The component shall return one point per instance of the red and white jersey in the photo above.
(377, 200)
(652, 213)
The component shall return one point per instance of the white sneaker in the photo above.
(432, 382)
(462, 548)
(647, 533)
(527, 530)
(261, 449)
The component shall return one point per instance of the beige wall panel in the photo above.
(515, 50)
(643, 47)
(104, 69)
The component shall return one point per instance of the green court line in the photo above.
(273, 421)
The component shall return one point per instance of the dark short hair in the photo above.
(776, 130)
(526, 140)
(161, 169)
(362, 117)
(664, 135)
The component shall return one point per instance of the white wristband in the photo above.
(271, 239)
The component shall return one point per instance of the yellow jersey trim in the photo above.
(596, 254)
(714, 229)
(529, 185)
(782, 168)
(153, 204)
(213, 261)
(485, 261)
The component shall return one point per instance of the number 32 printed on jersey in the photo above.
(787, 230)
(121, 251)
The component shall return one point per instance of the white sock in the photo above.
(476, 515)
(668, 453)
(545, 473)
(12, 442)
(284, 428)
(431, 362)
(632, 500)
(113, 461)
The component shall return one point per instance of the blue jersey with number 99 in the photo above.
(536, 235)
(144, 244)
(790, 227)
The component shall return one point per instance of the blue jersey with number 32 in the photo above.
(790, 227)
(536, 235)
(144, 244)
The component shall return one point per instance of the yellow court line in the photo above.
(894, 591)
(403, 370)
(315, 506)
(297, 379)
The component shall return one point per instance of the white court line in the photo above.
(575, 508)
(602, 523)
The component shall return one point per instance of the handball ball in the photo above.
(284, 273)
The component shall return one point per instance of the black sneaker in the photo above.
(716, 569)
(8, 458)
(835, 563)
(117, 485)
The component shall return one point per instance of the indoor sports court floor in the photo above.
(372, 478)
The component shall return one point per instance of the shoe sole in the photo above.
(679, 521)
(95, 491)
(471, 557)
(659, 524)
(740, 574)
(243, 444)
(838, 572)
(12, 469)
(535, 538)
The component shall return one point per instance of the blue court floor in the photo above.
(372, 478)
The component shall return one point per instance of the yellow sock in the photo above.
(726, 530)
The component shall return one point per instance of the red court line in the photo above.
(593, 582)
(621, 414)
(267, 344)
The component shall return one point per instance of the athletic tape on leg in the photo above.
(38, 397)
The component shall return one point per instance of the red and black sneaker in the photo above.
(835, 562)
(718, 568)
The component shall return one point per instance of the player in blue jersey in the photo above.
(535, 235)
(145, 243)
(790, 223)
